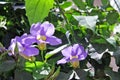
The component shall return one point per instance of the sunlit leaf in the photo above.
(87, 21)
(66, 5)
(33, 65)
(37, 10)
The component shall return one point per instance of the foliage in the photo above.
(96, 28)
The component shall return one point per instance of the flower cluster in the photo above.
(41, 34)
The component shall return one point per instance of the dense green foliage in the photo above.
(97, 29)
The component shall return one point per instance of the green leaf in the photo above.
(41, 73)
(87, 21)
(33, 65)
(7, 65)
(1, 45)
(55, 74)
(22, 75)
(51, 53)
(51, 72)
(66, 5)
(112, 41)
(113, 75)
(37, 10)
(112, 17)
(80, 4)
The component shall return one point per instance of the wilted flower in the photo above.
(73, 54)
(42, 34)
(97, 3)
(25, 49)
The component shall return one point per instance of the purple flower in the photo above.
(42, 34)
(73, 54)
(25, 49)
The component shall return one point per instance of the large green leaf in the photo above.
(7, 65)
(37, 10)
(22, 75)
(87, 21)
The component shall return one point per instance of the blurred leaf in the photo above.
(116, 29)
(51, 53)
(115, 4)
(22, 75)
(2, 22)
(66, 5)
(53, 77)
(112, 41)
(80, 4)
(113, 75)
(51, 72)
(64, 76)
(29, 66)
(7, 65)
(112, 17)
(117, 56)
(1, 45)
(37, 10)
(87, 21)
(82, 73)
(42, 72)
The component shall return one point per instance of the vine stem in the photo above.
(67, 22)
(62, 12)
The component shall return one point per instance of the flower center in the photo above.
(73, 57)
(42, 46)
(75, 64)
(39, 37)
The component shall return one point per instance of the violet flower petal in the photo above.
(48, 28)
(35, 29)
(52, 40)
(30, 51)
(28, 40)
(62, 61)
(67, 51)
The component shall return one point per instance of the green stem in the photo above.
(35, 65)
(42, 55)
(66, 20)
(73, 33)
